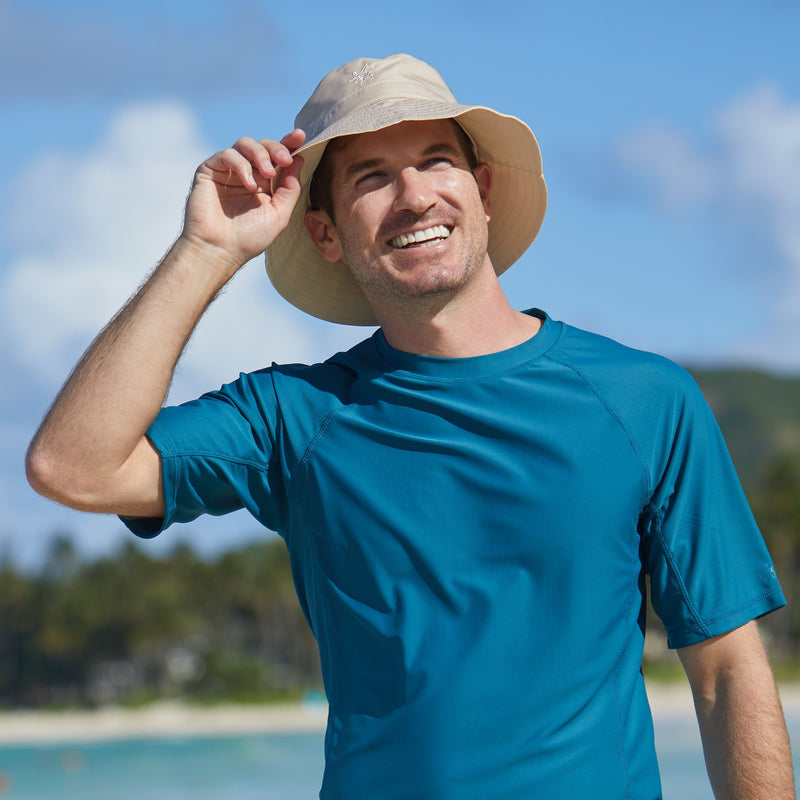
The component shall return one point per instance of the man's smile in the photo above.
(412, 238)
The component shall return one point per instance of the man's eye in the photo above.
(437, 161)
(368, 177)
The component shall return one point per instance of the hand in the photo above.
(243, 197)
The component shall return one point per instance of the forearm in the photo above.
(91, 452)
(118, 387)
(744, 735)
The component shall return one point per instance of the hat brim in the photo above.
(518, 198)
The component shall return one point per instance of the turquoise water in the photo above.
(285, 767)
(230, 768)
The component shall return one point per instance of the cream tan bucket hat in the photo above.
(367, 95)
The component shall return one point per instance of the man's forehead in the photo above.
(420, 133)
(346, 155)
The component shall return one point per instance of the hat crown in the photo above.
(364, 81)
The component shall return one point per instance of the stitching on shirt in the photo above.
(672, 566)
(393, 370)
(177, 454)
(318, 435)
(170, 466)
(244, 462)
(615, 416)
(617, 666)
(422, 378)
(702, 627)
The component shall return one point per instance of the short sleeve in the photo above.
(709, 568)
(218, 455)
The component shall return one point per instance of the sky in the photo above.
(670, 136)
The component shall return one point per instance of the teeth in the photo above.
(405, 239)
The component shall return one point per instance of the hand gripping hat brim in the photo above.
(366, 95)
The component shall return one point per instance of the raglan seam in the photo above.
(614, 415)
(323, 427)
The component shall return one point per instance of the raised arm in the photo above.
(91, 452)
(742, 726)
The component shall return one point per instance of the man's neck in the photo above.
(481, 323)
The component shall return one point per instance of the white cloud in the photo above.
(669, 161)
(760, 136)
(89, 227)
(748, 175)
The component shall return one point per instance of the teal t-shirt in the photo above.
(469, 540)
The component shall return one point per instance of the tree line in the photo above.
(129, 627)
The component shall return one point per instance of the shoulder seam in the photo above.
(318, 435)
(613, 414)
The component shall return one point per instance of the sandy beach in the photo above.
(675, 698)
(163, 719)
(176, 719)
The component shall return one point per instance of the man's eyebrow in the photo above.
(367, 164)
(362, 166)
(443, 147)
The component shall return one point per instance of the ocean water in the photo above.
(230, 768)
(253, 767)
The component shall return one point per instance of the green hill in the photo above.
(759, 414)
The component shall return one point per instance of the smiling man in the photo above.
(472, 497)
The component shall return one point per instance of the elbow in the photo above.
(81, 481)
(40, 471)
(50, 477)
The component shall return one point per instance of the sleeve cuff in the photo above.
(144, 527)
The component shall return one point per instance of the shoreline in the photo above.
(159, 720)
(175, 719)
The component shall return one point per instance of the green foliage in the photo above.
(759, 414)
(665, 670)
(131, 627)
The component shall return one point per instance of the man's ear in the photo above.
(483, 177)
(324, 234)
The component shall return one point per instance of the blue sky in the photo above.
(671, 142)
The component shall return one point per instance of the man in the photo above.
(472, 497)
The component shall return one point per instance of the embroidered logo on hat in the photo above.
(363, 74)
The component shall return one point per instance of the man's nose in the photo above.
(414, 191)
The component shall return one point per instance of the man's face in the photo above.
(411, 216)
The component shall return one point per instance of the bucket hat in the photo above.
(369, 94)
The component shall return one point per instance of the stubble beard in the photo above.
(421, 284)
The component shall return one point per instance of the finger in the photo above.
(265, 156)
(281, 152)
(294, 140)
(228, 163)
